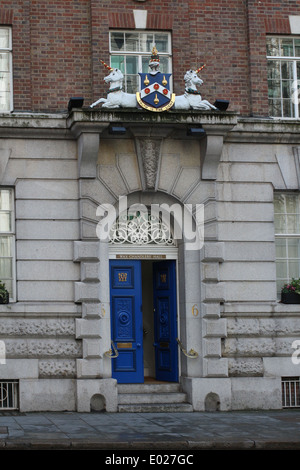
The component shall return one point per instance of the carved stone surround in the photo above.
(165, 161)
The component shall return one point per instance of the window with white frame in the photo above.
(7, 240)
(130, 51)
(6, 95)
(287, 237)
(283, 54)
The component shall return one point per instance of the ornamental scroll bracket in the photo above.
(88, 142)
(296, 152)
(212, 147)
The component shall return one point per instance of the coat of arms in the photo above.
(155, 94)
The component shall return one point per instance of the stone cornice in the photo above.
(265, 131)
(64, 125)
(33, 125)
(149, 128)
(135, 117)
(90, 126)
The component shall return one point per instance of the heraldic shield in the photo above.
(155, 92)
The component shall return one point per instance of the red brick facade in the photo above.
(57, 46)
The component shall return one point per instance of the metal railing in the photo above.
(290, 392)
(113, 352)
(192, 354)
(9, 395)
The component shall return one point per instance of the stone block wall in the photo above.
(59, 328)
(46, 201)
(260, 330)
(38, 328)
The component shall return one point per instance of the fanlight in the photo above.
(143, 228)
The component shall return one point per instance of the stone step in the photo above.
(137, 398)
(149, 388)
(156, 408)
(152, 398)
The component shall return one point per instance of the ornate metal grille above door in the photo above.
(142, 228)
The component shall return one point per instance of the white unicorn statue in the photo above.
(116, 97)
(192, 98)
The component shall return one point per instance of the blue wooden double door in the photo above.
(127, 330)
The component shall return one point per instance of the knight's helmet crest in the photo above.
(154, 60)
(155, 94)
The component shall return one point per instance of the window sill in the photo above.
(290, 308)
(285, 118)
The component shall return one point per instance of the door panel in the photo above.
(126, 320)
(165, 321)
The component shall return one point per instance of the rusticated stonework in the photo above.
(251, 367)
(39, 348)
(57, 368)
(37, 327)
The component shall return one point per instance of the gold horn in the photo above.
(200, 68)
(105, 65)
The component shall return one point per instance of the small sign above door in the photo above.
(138, 256)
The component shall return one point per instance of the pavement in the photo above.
(186, 433)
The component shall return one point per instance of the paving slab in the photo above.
(253, 430)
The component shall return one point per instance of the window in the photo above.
(283, 76)
(7, 240)
(290, 387)
(130, 52)
(6, 104)
(287, 237)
